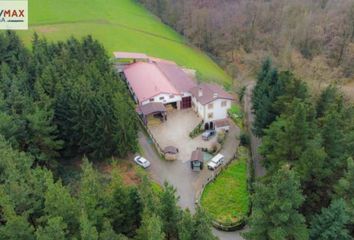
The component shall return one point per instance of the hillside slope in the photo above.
(121, 25)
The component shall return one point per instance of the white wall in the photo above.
(219, 111)
(166, 99)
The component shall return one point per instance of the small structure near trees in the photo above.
(197, 160)
(170, 153)
(150, 111)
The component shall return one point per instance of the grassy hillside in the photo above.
(121, 25)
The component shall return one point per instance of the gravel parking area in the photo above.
(175, 131)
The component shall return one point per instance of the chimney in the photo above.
(200, 92)
(215, 95)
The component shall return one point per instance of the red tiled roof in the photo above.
(147, 81)
(210, 92)
(176, 76)
(222, 123)
(197, 155)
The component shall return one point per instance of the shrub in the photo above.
(244, 139)
(196, 131)
(221, 137)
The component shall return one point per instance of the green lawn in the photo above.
(227, 199)
(121, 25)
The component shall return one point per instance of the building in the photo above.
(162, 83)
(211, 102)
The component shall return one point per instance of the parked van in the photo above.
(216, 161)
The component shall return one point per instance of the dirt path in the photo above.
(255, 141)
(106, 22)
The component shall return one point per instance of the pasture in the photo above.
(121, 25)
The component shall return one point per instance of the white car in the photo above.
(142, 161)
(216, 161)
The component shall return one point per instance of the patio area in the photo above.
(175, 132)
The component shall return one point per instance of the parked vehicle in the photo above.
(142, 162)
(216, 161)
(208, 134)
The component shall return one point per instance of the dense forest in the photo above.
(36, 205)
(308, 150)
(312, 38)
(61, 101)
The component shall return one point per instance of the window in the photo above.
(151, 99)
(210, 115)
(210, 106)
(223, 103)
(172, 96)
(162, 98)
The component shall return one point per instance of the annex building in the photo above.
(158, 85)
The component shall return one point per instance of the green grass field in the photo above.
(227, 199)
(121, 25)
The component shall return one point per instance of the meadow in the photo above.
(226, 199)
(121, 25)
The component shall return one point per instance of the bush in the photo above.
(241, 93)
(244, 139)
(197, 130)
(215, 148)
(221, 137)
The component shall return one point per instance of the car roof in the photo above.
(217, 157)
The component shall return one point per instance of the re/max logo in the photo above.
(12, 13)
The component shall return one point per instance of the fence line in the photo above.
(154, 141)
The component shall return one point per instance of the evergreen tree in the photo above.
(330, 224)
(16, 226)
(201, 227)
(265, 93)
(312, 172)
(42, 141)
(91, 196)
(169, 212)
(87, 229)
(284, 141)
(275, 208)
(151, 228)
(345, 189)
(55, 228)
(59, 203)
(186, 226)
(108, 233)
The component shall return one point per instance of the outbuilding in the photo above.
(197, 160)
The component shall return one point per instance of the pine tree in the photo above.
(345, 189)
(16, 226)
(151, 228)
(186, 226)
(202, 226)
(169, 212)
(331, 223)
(42, 141)
(59, 202)
(283, 141)
(275, 208)
(265, 93)
(312, 172)
(54, 228)
(108, 233)
(87, 230)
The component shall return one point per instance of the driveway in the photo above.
(179, 174)
(175, 132)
